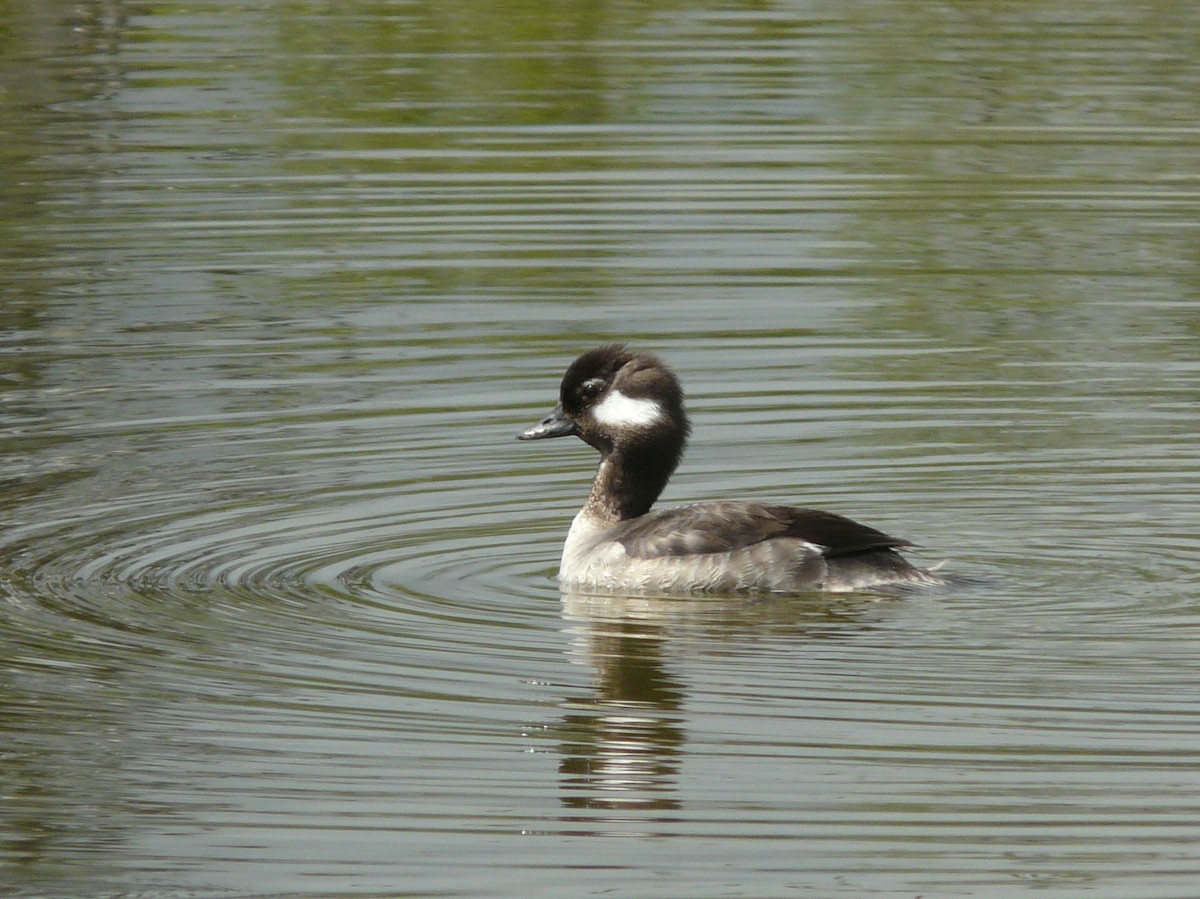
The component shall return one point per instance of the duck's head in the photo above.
(622, 402)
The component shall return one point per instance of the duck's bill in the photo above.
(556, 424)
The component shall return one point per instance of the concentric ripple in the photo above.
(357, 547)
(358, 597)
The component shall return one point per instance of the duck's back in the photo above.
(736, 547)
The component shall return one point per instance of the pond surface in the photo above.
(283, 280)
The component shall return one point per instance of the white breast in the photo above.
(591, 560)
(582, 562)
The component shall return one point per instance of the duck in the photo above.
(629, 406)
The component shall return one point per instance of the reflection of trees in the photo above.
(1020, 210)
(64, 712)
(469, 62)
(50, 134)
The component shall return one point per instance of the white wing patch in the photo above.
(621, 411)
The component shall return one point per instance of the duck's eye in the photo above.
(590, 389)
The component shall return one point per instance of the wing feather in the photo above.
(722, 527)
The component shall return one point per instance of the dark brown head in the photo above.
(629, 406)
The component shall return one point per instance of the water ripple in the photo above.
(276, 581)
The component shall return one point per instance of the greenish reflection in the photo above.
(454, 63)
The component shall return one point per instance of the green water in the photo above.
(280, 283)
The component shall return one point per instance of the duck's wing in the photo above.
(722, 527)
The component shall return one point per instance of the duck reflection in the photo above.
(621, 748)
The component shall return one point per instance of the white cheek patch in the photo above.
(621, 411)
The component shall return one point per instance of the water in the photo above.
(283, 281)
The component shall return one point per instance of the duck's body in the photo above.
(629, 406)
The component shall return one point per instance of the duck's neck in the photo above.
(626, 485)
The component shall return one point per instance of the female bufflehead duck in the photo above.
(629, 406)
